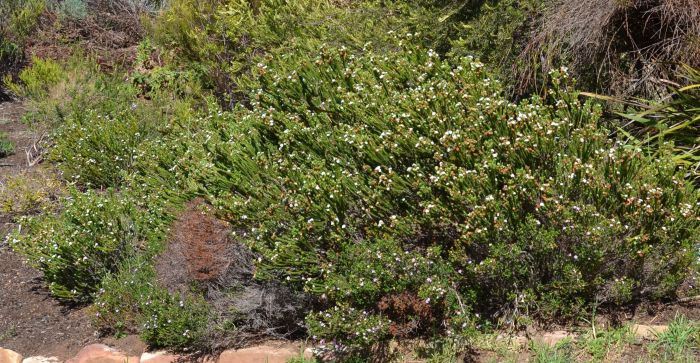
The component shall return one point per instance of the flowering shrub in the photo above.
(223, 39)
(99, 149)
(89, 239)
(129, 302)
(388, 183)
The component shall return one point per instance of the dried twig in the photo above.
(35, 152)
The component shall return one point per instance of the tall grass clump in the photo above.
(410, 198)
(675, 120)
(7, 147)
(625, 48)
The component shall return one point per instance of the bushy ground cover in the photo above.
(400, 189)
(409, 195)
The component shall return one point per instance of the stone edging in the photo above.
(100, 353)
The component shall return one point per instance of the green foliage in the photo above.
(679, 342)
(89, 239)
(7, 147)
(223, 39)
(302, 359)
(560, 353)
(20, 17)
(399, 187)
(9, 51)
(30, 192)
(118, 304)
(675, 121)
(99, 122)
(408, 194)
(38, 79)
(130, 299)
(599, 344)
(99, 149)
(494, 31)
(71, 9)
(173, 321)
(10, 55)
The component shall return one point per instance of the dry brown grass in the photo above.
(111, 32)
(624, 47)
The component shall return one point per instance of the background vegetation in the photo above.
(396, 170)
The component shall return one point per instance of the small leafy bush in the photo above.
(493, 31)
(89, 239)
(99, 149)
(118, 304)
(37, 80)
(98, 121)
(409, 196)
(10, 57)
(7, 147)
(20, 18)
(130, 298)
(173, 321)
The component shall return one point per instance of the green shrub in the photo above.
(89, 239)
(98, 121)
(494, 31)
(129, 299)
(21, 18)
(99, 149)
(222, 39)
(172, 321)
(118, 304)
(71, 9)
(7, 147)
(37, 80)
(408, 195)
(31, 191)
(10, 57)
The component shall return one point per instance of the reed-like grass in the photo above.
(675, 120)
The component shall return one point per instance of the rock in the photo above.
(648, 332)
(262, 354)
(41, 359)
(9, 356)
(100, 353)
(552, 338)
(159, 357)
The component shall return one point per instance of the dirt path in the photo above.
(31, 321)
